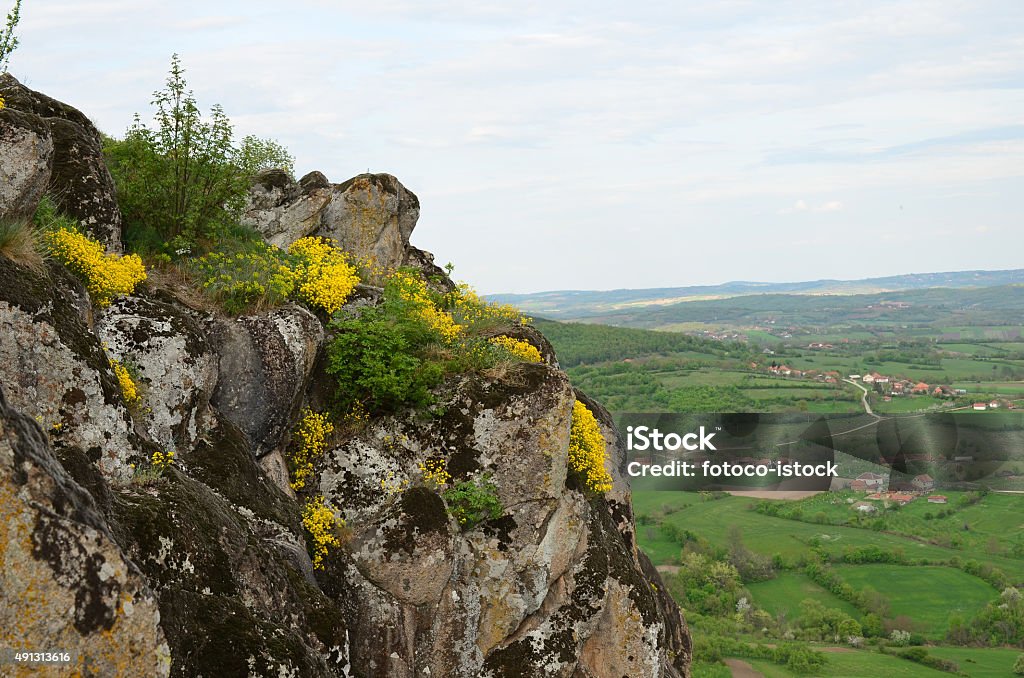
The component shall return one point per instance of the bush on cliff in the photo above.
(185, 179)
(392, 355)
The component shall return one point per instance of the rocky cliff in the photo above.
(207, 572)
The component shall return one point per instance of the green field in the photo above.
(783, 595)
(855, 664)
(770, 535)
(995, 524)
(928, 595)
(980, 663)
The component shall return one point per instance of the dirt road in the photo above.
(741, 669)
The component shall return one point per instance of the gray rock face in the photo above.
(79, 180)
(175, 363)
(53, 367)
(554, 587)
(26, 156)
(265, 365)
(203, 568)
(371, 215)
(65, 584)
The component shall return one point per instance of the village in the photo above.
(886, 386)
(875, 489)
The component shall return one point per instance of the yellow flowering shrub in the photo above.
(313, 271)
(310, 444)
(414, 291)
(105, 275)
(372, 271)
(326, 278)
(517, 348)
(434, 472)
(587, 450)
(262, 276)
(162, 461)
(357, 417)
(469, 309)
(129, 389)
(159, 462)
(324, 528)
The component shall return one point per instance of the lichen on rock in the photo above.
(202, 567)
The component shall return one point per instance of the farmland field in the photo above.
(930, 596)
(785, 593)
(856, 664)
(896, 568)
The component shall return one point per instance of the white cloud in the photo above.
(804, 206)
(525, 125)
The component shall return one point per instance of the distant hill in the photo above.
(632, 303)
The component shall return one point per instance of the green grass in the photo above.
(683, 378)
(770, 535)
(904, 404)
(784, 594)
(971, 349)
(980, 663)
(928, 595)
(1007, 387)
(856, 664)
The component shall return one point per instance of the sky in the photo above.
(600, 145)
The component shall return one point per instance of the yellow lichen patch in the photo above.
(588, 450)
(38, 610)
(310, 444)
(517, 348)
(323, 528)
(326, 278)
(105, 275)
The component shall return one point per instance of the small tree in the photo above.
(1018, 666)
(8, 40)
(185, 179)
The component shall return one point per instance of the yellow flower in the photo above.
(105, 275)
(414, 290)
(326, 278)
(323, 528)
(311, 442)
(588, 450)
(523, 350)
(128, 388)
(434, 472)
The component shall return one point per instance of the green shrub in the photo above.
(392, 355)
(185, 179)
(253, 277)
(1018, 666)
(474, 501)
(374, 358)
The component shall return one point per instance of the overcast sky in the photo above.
(594, 145)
